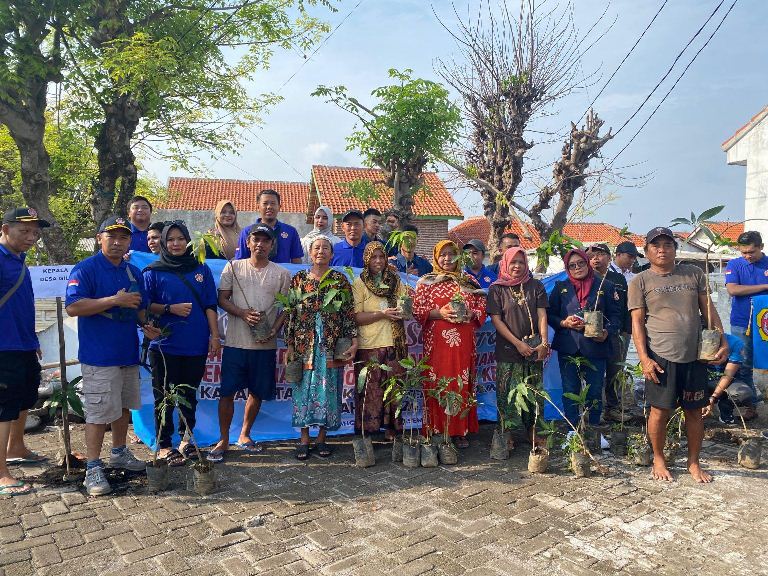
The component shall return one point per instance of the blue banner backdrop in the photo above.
(759, 328)
(274, 420)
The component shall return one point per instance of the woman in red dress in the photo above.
(449, 344)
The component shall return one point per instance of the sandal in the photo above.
(302, 451)
(190, 452)
(252, 447)
(215, 456)
(174, 458)
(323, 450)
(18, 488)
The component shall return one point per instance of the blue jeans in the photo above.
(594, 377)
(745, 370)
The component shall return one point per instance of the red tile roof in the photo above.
(741, 132)
(327, 181)
(729, 230)
(586, 232)
(204, 193)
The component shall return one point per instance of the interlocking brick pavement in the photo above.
(273, 515)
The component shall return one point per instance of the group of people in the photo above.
(329, 320)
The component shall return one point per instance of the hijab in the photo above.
(170, 263)
(230, 235)
(584, 285)
(505, 277)
(385, 285)
(326, 231)
(439, 274)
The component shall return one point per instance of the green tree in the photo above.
(30, 59)
(170, 77)
(411, 124)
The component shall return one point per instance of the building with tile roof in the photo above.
(748, 147)
(193, 200)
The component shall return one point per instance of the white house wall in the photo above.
(752, 151)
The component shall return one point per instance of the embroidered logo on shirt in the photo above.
(284, 234)
(451, 337)
(199, 277)
(73, 282)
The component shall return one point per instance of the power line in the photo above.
(317, 48)
(669, 71)
(624, 59)
(675, 83)
(275, 153)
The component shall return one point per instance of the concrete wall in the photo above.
(752, 151)
(202, 220)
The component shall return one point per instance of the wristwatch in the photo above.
(167, 309)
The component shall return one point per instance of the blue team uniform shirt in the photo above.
(739, 271)
(484, 277)
(17, 316)
(421, 264)
(288, 244)
(344, 254)
(139, 239)
(735, 356)
(104, 341)
(188, 336)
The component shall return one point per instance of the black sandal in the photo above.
(189, 452)
(174, 458)
(323, 450)
(302, 451)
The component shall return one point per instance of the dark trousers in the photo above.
(618, 355)
(571, 377)
(169, 370)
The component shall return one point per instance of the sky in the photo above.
(674, 166)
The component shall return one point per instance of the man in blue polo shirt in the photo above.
(723, 376)
(107, 295)
(19, 348)
(745, 277)
(407, 260)
(139, 214)
(349, 252)
(477, 269)
(287, 249)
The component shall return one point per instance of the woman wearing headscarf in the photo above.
(381, 338)
(581, 357)
(323, 222)
(225, 229)
(517, 305)
(311, 333)
(182, 294)
(449, 341)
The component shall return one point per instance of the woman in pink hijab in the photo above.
(517, 305)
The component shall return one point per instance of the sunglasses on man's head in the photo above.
(173, 222)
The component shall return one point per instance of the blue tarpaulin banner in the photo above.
(274, 420)
(759, 329)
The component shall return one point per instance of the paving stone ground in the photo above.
(327, 517)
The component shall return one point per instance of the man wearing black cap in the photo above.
(107, 295)
(349, 252)
(624, 260)
(600, 258)
(476, 251)
(667, 303)
(247, 292)
(19, 347)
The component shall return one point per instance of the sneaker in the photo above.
(96, 483)
(127, 461)
(615, 415)
(727, 422)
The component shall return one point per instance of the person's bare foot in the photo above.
(660, 471)
(698, 474)
(221, 446)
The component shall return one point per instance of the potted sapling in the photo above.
(638, 449)
(709, 342)
(407, 239)
(576, 447)
(407, 388)
(291, 303)
(557, 244)
(533, 340)
(594, 319)
(674, 434)
(750, 451)
(66, 399)
(622, 382)
(363, 445)
(459, 306)
(451, 401)
(336, 297)
(524, 395)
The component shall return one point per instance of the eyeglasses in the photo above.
(575, 265)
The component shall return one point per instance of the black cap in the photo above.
(352, 214)
(628, 248)
(600, 246)
(24, 215)
(658, 231)
(262, 229)
(476, 244)
(114, 223)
